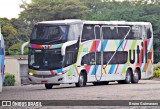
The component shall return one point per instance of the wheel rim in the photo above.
(136, 75)
(128, 77)
(81, 80)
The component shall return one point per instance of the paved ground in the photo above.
(145, 90)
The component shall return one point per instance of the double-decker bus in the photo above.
(80, 52)
(2, 66)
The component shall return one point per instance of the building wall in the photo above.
(12, 66)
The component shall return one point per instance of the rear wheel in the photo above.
(48, 86)
(135, 77)
(82, 80)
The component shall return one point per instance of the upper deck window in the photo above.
(52, 33)
(88, 32)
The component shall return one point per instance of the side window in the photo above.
(98, 58)
(110, 32)
(115, 59)
(148, 31)
(123, 31)
(97, 32)
(88, 32)
(75, 31)
(88, 59)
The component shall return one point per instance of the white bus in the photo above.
(80, 52)
(2, 66)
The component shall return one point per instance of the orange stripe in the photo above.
(76, 69)
(104, 69)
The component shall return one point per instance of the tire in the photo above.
(48, 86)
(128, 77)
(135, 77)
(81, 81)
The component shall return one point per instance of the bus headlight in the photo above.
(30, 73)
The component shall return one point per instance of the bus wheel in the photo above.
(128, 77)
(48, 86)
(81, 81)
(135, 77)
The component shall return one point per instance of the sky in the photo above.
(10, 8)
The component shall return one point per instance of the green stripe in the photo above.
(79, 52)
(133, 44)
(124, 69)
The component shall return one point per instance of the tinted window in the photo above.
(97, 32)
(120, 57)
(88, 32)
(88, 59)
(110, 32)
(149, 32)
(122, 32)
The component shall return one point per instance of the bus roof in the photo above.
(117, 22)
(71, 21)
(62, 22)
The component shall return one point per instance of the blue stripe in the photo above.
(59, 70)
(112, 69)
(120, 45)
(94, 70)
(104, 44)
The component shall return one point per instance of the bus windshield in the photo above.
(49, 34)
(48, 59)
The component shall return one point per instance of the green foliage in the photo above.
(8, 31)
(9, 79)
(156, 70)
(15, 49)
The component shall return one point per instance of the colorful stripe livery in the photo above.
(36, 46)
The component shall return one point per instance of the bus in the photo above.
(98, 52)
(2, 66)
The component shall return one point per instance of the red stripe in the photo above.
(116, 69)
(93, 46)
(125, 45)
(52, 72)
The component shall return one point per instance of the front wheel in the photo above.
(81, 81)
(48, 86)
(135, 77)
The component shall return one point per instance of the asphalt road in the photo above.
(144, 90)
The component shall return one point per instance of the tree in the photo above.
(40, 10)
(9, 32)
